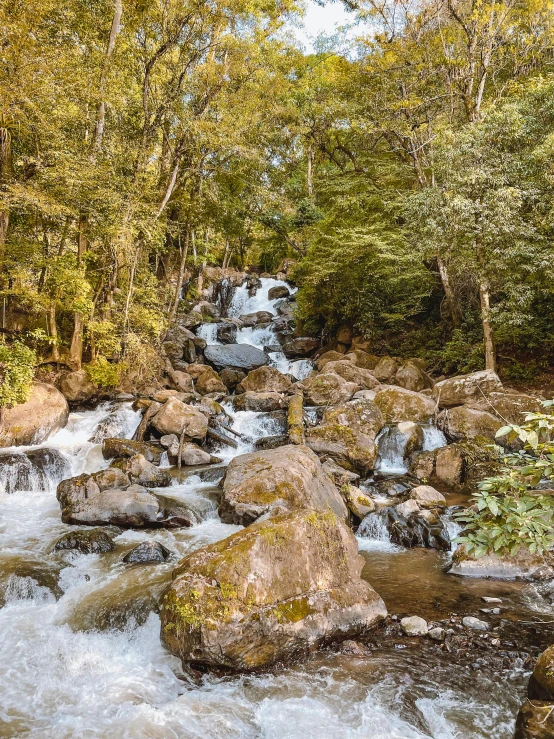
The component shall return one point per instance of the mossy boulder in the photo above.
(269, 593)
(508, 407)
(326, 357)
(459, 390)
(541, 683)
(398, 404)
(462, 423)
(266, 380)
(327, 389)
(260, 402)
(411, 377)
(386, 369)
(347, 433)
(275, 480)
(535, 720)
(363, 378)
(128, 448)
(210, 382)
(175, 417)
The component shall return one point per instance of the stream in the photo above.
(80, 652)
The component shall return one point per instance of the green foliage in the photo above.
(104, 373)
(509, 511)
(17, 368)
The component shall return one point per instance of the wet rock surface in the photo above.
(45, 412)
(235, 605)
(236, 356)
(146, 553)
(272, 481)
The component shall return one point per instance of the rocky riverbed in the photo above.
(235, 552)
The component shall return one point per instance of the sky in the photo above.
(324, 20)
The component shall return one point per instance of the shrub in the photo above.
(103, 373)
(17, 369)
(509, 511)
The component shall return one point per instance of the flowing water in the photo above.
(80, 652)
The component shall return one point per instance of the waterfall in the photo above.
(391, 444)
(208, 332)
(433, 438)
(243, 303)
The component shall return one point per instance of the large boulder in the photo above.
(458, 390)
(254, 319)
(303, 346)
(467, 423)
(45, 412)
(363, 378)
(508, 407)
(386, 369)
(327, 389)
(134, 507)
(398, 404)
(269, 593)
(535, 720)
(174, 417)
(277, 292)
(266, 380)
(329, 356)
(541, 683)
(210, 382)
(260, 402)
(363, 359)
(235, 356)
(412, 377)
(76, 387)
(128, 448)
(347, 433)
(271, 481)
(521, 566)
(226, 333)
(142, 472)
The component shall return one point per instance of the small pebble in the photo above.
(487, 599)
(437, 634)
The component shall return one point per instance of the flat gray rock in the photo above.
(236, 356)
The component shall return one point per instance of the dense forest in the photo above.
(407, 183)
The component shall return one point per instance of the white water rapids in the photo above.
(80, 651)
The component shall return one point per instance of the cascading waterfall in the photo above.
(262, 337)
(80, 648)
(208, 332)
(244, 303)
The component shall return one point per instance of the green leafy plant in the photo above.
(17, 368)
(509, 512)
(105, 374)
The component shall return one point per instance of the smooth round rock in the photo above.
(93, 541)
(470, 622)
(147, 552)
(414, 626)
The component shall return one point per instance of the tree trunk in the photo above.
(130, 290)
(75, 357)
(490, 350)
(180, 279)
(449, 292)
(101, 114)
(53, 330)
(4, 223)
(309, 178)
